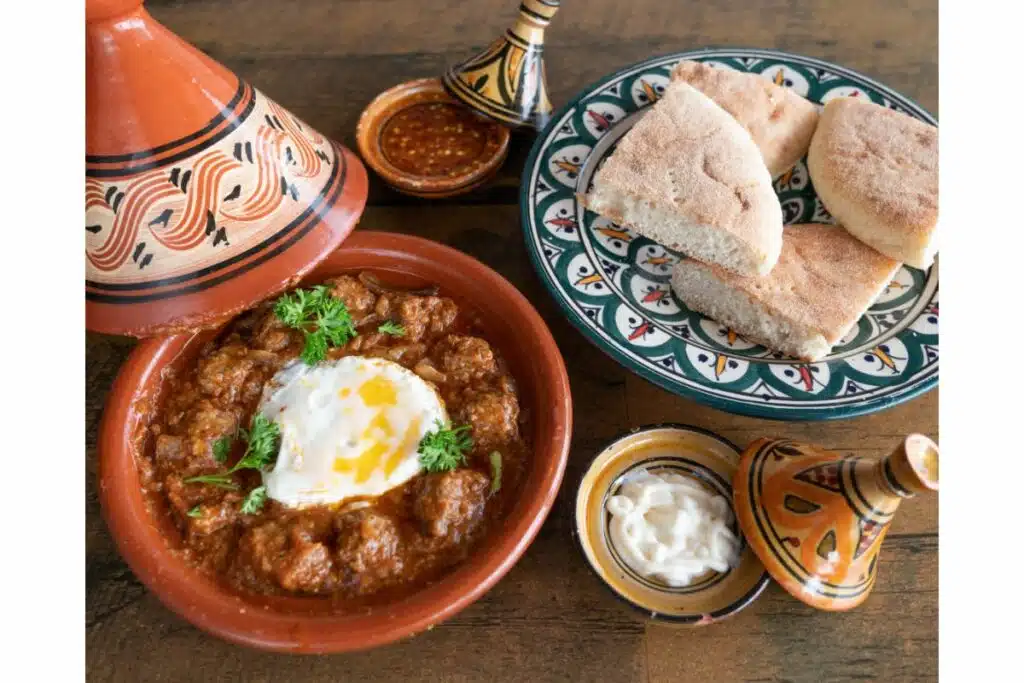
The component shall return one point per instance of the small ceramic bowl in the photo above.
(311, 624)
(475, 170)
(694, 453)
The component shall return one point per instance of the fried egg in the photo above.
(349, 428)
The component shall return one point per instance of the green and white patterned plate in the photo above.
(614, 284)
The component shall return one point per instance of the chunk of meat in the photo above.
(222, 374)
(271, 334)
(356, 296)
(287, 554)
(185, 496)
(451, 504)
(357, 345)
(400, 353)
(306, 567)
(208, 424)
(420, 315)
(211, 517)
(494, 418)
(369, 550)
(169, 450)
(465, 359)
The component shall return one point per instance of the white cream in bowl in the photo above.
(668, 527)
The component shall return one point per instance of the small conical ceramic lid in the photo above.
(816, 519)
(507, 81)
(202, 195)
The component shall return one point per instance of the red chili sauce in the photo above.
(439, 139)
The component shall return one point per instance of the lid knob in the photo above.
(507, 80)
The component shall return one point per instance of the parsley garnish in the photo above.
(444, 448)
(254, 502)
(222, 481)
(195, 512)
(323, 319)
(261, 443)
(495, 472)
(392, 328)
(222, 448)
(260, 451)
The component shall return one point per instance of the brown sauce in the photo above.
(438, 139)
(358, 553)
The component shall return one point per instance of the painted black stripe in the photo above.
(517, 39)
(890, 478)
(484, 106)
(316, 210)
(154, 151)
(184, 154)
(871, 513)
(539, 17)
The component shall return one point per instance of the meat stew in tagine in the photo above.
(347, 440)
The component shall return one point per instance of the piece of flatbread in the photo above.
(780, 121)
(877, 172)
(689, 177)
(823, 283)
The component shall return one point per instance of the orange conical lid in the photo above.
(816, 518)
(202, 195)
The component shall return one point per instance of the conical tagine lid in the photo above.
(816, 519)
(507, 81)
(202, 195)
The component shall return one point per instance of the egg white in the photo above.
(349, 428)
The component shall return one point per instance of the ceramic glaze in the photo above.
(202, 195)
(817, 519)
(484, 142)
(700, 457)
(507, 80)
(294, 624)
(613, 284)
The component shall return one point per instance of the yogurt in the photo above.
(668, 527)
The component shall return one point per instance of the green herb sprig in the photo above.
(222, 448)
(322, 317)
(392, 328)
(254, 502)
(444, 448)
(262, 439)
(495, 457)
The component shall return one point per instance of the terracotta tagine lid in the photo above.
(202, 195)
(507, 80)
(816, 519)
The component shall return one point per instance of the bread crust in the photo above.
(824, 281)
(688, 158)
(877, 172)
(780, 121)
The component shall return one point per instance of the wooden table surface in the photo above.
(549, 619)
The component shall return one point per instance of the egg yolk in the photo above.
(378, 391)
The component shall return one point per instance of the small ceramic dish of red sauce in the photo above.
(423, 142)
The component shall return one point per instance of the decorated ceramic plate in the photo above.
(614, 284)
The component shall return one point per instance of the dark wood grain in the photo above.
(549, 619)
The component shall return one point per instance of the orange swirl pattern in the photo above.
(267, 193)
(307, 163)
(139, 198)
(93, 193)
(203, 200)
(234, 192)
